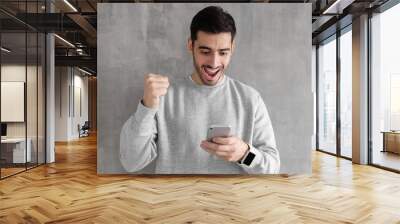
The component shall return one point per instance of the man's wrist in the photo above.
(144, 104)
(240, 161)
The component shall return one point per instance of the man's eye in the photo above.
(205, 52)
(223, 53)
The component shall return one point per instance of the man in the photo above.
(171, 121)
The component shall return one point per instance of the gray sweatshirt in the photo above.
(172, 133)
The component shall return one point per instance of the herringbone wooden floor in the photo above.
(70, 191)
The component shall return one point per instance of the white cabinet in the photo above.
(17, 146)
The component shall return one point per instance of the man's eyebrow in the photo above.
(204, 47)
(207, 48)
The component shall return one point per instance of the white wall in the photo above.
(80, 83)
(33, 126)
(61, 103)
(17, 73)
(67, 116)
(14, 73)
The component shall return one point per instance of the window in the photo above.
(385, 88)
(327, 96)
(346, 93)
(22, 78)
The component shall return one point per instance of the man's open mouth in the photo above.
(211, 73)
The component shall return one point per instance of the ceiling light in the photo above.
(5, 50)
(70, 5)
(337, 7)
(64, 40)
(86, 72)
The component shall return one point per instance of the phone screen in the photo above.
(218, 131)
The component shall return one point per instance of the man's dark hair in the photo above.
(212, 19)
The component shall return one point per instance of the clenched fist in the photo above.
(154, 87)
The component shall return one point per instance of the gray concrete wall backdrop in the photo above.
(273, 54)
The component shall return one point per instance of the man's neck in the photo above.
(196, 79)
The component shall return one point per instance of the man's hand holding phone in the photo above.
(221, 143)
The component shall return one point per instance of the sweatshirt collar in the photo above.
(220, 83)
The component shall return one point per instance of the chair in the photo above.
(84, 130)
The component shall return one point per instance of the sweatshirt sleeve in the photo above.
(138, 139)
(266, 160)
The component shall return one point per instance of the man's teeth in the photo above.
(211, 71)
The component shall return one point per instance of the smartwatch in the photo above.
(248, 158)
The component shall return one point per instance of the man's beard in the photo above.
(200, 73)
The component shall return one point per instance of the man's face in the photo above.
(211, 56)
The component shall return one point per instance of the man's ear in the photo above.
(190, 45)
(233, 45)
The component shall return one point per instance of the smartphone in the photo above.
(218, 131)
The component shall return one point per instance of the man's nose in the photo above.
(214, 60)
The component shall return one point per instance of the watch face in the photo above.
(249, 158)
